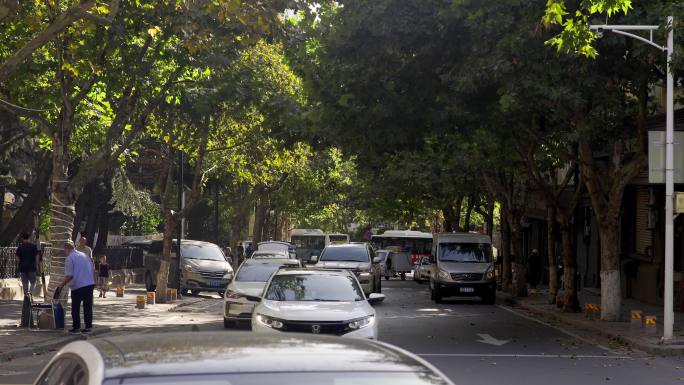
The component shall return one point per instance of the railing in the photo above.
(117, 258)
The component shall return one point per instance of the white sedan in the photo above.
(318, 302)
(244, 292)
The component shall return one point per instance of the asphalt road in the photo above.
(471, 343)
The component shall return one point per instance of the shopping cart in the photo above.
(54, 308)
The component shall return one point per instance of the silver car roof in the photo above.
(244, 352)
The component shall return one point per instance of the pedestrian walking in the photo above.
(27, 255)
(249, 251)
(103, 276)
(78, 273)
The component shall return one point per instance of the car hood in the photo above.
(207, 264)
(343, 265)
(462, 267)
(253, 289)
(315, 311)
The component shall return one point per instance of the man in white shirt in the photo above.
(84, 248)
(79, 274)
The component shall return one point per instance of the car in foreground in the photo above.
(244, 292)
(237, 358)
(358, 258)
(318, 302)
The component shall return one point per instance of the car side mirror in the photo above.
(375, 298)
(314, 258)
(377, 259)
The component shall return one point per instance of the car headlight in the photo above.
(233, 294)
(228, 275)
(443, 274)
(361, 322)
(269, 322)
(188, 268)
(489, 274)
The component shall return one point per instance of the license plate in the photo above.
(214, 283)
(467, 290)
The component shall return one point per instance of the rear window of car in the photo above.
(256, 272)
(345, 254)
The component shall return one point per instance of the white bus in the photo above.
(310, 242)
(417, 243)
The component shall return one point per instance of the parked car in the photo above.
(463, 266)
(382, 261)
(204, 267)
(316, 301)
(204, 358)
(244, 292)
(421, 271)
(356, 257)
(280, 246)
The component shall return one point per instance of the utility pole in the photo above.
(179, 237)
(668, 316)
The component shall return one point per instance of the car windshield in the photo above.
(350, 254)
(291, 378)
(314, 287)
(465, 252)
(256, 272)
(208, 252)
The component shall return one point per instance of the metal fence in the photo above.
(120, 257)
(117, 257)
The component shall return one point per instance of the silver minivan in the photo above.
(463, 266)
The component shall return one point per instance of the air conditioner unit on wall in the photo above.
(679, 202)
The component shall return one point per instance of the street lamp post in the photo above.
(668, 316)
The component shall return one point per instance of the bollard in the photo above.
(120, 290)
(592, 311)
(650, 325)
(140, 302)
(150, 298)
(636, 319)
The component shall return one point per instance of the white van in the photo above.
(462, 266)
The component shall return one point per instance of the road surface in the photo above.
(473, 344)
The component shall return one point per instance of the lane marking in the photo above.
(560, 329)
(488, 339)
(476, 355)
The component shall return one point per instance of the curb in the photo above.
(52, 344)
(654, 349)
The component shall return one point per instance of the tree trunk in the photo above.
(170, 224)
(611, 294)
(469, 211)
(505, 252)
(570, 300)
(259, 220)
(489, 219)
(551, 246)
(519, 271)
(62, 213)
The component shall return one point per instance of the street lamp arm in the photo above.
(647, 41)
(608, 27)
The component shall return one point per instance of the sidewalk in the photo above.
(537, 304)
(108, 313)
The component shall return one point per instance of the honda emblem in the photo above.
(315, 329)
